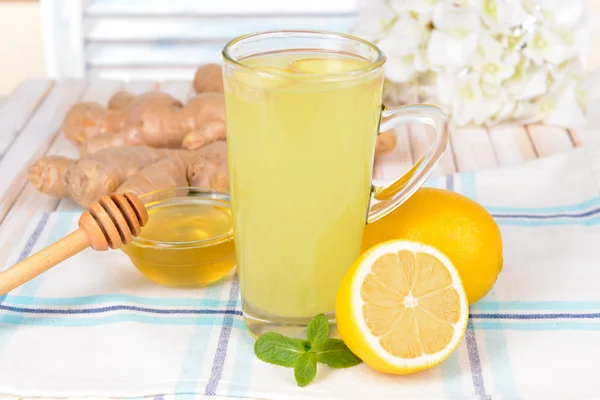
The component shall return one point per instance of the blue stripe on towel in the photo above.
(103, 299)
(193, 363)
(106, 300)
(571, 208)
(50, 320)
(533, 215)
(231, 311)
(536, 326)
(486, 304)
(537, 316)
(475, 362)
(224, 335)
(524, 222)
(71, 311)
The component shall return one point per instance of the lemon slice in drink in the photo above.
(402, 307)
(272, 77)
(326, 65)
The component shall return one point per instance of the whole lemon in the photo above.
(454, 224)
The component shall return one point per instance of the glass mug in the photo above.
(301, 152)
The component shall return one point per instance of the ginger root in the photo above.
(120, 100)
(209, 132)
(209, 169)
(205, 115)
(153, 119)
(128, 168)
(85, 121)
(167, 173)
(48, 173)
(208, 78)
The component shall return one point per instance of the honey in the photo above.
(188, 240)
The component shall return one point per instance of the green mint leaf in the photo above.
(305, 369)
(336, 354)
(275, 348)
(317, 331)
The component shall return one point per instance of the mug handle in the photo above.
(395, 193)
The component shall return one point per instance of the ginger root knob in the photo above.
(48, 175)
(208, 78)
(87, 120)
(120, 100)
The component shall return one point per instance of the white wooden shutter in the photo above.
(168, 39)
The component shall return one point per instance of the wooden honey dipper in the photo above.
(110, 222)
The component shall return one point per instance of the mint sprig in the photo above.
(278, 349)
(303, 355)
(317, 331)
(305, 369)
(336, 355)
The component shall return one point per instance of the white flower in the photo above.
(565, 14)
(544, 44)
(404, 37)
(446, 50)
(403, 46)
(490, 60)
(501, 14)
(400, 68)
(455, 36)
(374, 19)
(571, 68)
(485, 61)
(424, 7)
(528, 81)
(467, 100)
(494, 101)
(455, 19)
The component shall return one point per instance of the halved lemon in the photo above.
(326, 65)
(402, 308)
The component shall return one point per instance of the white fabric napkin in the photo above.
(94, 326)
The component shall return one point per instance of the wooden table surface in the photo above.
(30, 127)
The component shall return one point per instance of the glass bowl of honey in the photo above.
(188, 239)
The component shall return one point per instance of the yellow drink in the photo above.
(301, 139)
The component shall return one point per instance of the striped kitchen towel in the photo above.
(94, 326)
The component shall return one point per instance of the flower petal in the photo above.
(400, 68)
(404, 37)
(446, 88)
(544, 44)
(446, 50)
(418, 6)
(559, 13)
(456, 19)
(499, 15)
